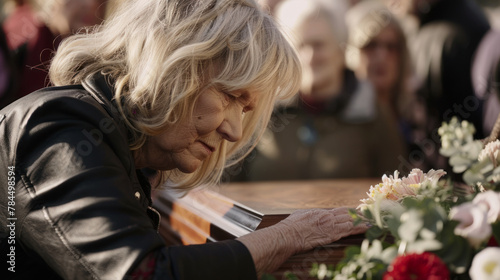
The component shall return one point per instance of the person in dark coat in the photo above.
(443, 47)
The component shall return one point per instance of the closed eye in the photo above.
(243, 97)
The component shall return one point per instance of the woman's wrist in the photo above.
(270, 247)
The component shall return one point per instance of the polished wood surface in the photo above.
(232, 210)
(283, 197)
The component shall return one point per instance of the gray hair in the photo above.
(293, 13)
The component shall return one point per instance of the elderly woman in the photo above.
(182, 87)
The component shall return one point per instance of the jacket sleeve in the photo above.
(79, 205)
(228, 259)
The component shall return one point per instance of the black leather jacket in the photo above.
(74, 207)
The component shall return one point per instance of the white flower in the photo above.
(455, 133)
(473, 220)
(486, 265)
(491, 201)
(491, 151)
(322, 271)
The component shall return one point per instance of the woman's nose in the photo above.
(231, 128)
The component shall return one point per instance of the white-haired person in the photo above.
(333, 128)
(184, 87)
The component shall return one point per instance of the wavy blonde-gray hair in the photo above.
(161, 53)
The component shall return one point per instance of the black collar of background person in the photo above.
(307, 132)
(334, 105)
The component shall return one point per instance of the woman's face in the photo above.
(380, 59)
(217, 116)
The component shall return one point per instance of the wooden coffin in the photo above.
(232, 210)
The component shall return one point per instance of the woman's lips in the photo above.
(208, 147)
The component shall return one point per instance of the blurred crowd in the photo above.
(379, 78)
(30, 34)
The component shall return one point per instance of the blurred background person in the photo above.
(492, 11)
(486, 78)
(334, 127)
(8, 77)
(442, 45)
(378, 52)
(34, 30)
(486, 67)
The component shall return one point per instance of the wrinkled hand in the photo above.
(301, 231)
(311, 228)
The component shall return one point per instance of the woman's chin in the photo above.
(190, 167)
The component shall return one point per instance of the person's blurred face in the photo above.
(320, 54)
(217, 116)
(69, 16)
(380, 59)
(400, 7)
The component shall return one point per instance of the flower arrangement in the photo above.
(425, 226)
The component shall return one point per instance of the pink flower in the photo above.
(425, 266)
(473, 224)
(395, 188)
(416, 176)
(491, 201)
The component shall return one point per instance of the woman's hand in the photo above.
(301, 231)
(312, 228)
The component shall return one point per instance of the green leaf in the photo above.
(393, 225)
(496, 231)
(267, 277)
(373, 233)
(456, 251)
(290, 276)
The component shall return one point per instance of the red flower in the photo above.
(425, 266)
(492, 242)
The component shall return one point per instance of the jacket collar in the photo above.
(102, 90)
